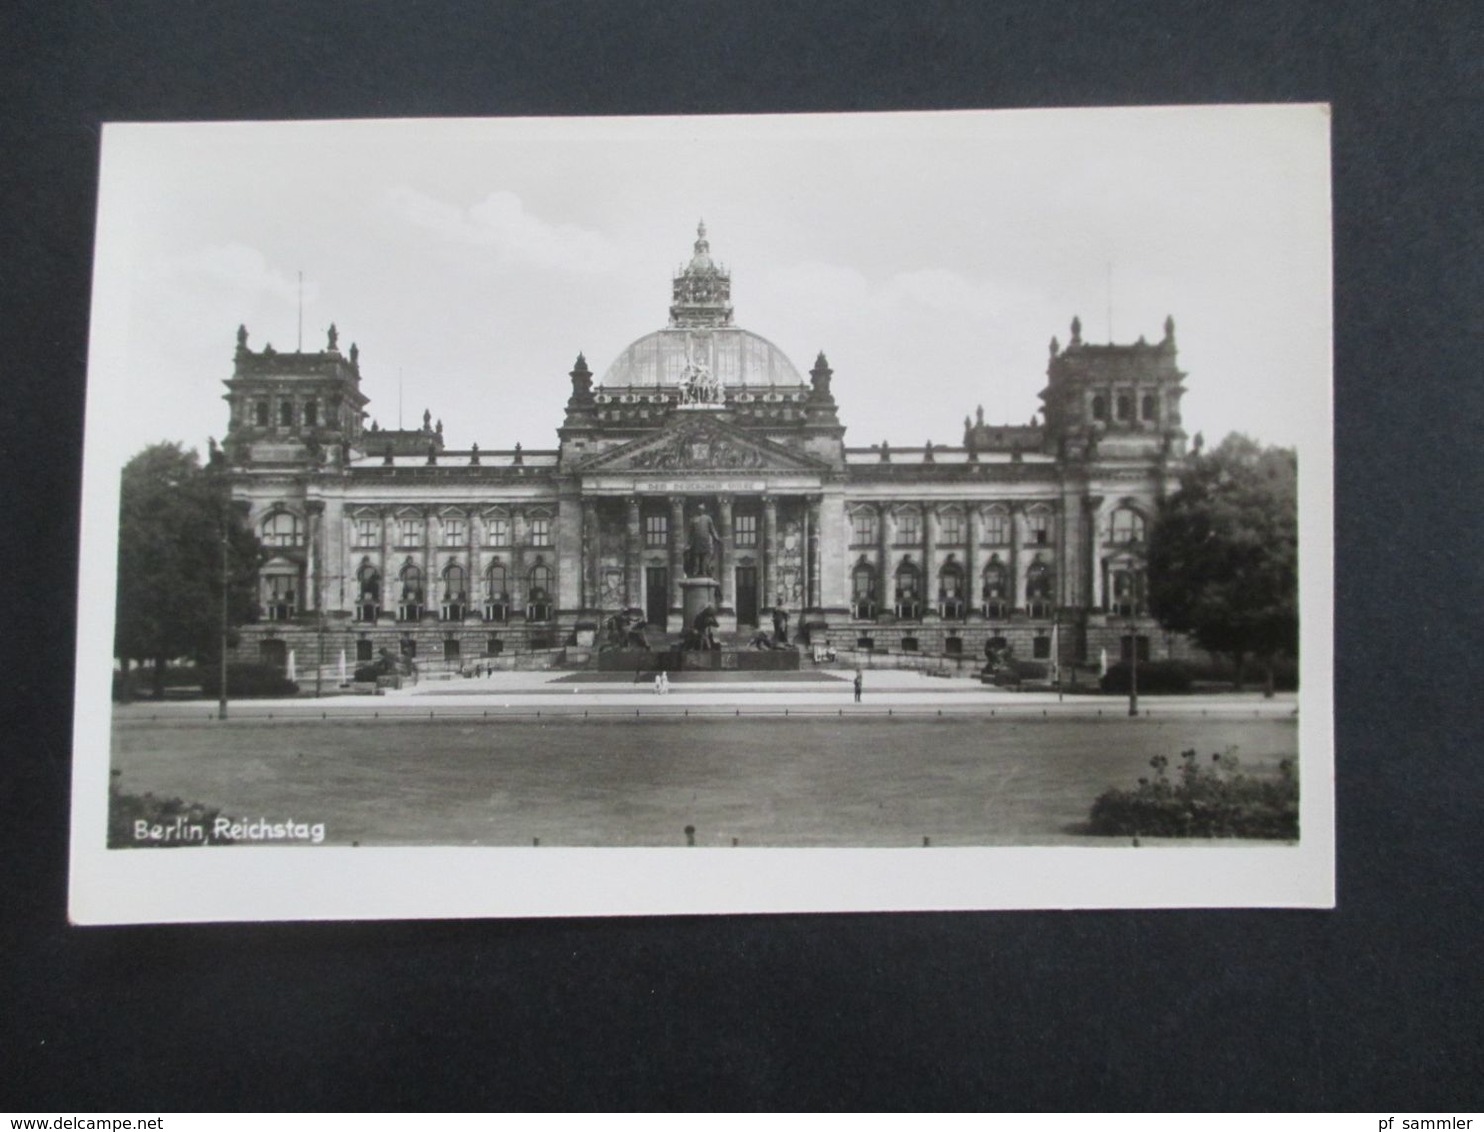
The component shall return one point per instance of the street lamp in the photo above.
(221, 702)
(1133, 668)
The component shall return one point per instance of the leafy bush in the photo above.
(1205, 801)
(1157, 677)
(1220, 670)
(248, 680)
(173, 821)
(1012, 673)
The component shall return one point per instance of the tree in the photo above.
(172, 514)
(1223, 553)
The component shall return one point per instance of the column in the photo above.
(769, 579)
(972, 583)
(728, 574)
(391, 583)
(834, 564)
(430, 588)
(929, 566)
(590, 543)
(677, 552)
(633, 556)
(1017, 571)
(812, 559)
(884, 594)
(313, 597)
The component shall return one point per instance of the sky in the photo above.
(930, 256)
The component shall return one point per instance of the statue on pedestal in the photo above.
(700, 551)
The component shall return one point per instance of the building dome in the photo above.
(701, 341)
(735, 357)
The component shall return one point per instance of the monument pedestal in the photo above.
(697, 594)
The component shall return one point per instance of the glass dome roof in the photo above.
(736, 357)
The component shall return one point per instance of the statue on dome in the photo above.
(334, 339)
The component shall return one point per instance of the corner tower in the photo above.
(1114, 400)
(298, 408)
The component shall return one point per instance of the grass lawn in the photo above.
(634, 782)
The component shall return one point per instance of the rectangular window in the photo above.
(656, 530)
(261, 414)
(454, 533)
(863, 528)
(540, 532)
(1041, 648)
(997, 529)
(311, 412)
(952, 527)
(499, 532)
(368, 532)
(908, 530)
(745, 533)
(286, 414)
(451, 649)
(1040, 528)
(412, 532)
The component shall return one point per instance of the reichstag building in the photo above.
(1032, 534)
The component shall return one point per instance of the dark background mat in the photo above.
(1375, 1005)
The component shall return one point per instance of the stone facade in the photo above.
(1029, 533)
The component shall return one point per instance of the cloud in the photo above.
(236, 268)
(501, 223)
(848, 292)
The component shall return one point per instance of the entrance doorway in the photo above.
(746, 595)
(657, 595)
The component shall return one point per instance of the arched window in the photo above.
(1127, 582)
(994, 592)
(863, 591)
(1099, 407)
(281, 590)
(455, 592)
(282, 529)
(951, 590)
(410, 600)
(1038, 587)
(368, 599)
(538, 599)
(1147, 407)
(1125, 407)
(1127, 526)
(496, 592)
(908, 591)
(286, 414)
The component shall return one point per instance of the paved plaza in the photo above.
(521, 759)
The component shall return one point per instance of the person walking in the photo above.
(858, 682)
(659, 683)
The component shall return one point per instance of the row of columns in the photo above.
(677, 537)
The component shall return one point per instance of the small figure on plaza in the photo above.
(700, 551)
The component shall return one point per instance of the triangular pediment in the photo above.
(699, 442)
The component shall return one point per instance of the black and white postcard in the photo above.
(915, 511)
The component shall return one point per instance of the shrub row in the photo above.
(248, 680)
(125, 810)
(1155, 677)
(1217, 800)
